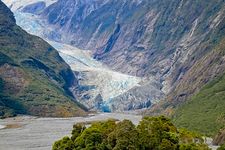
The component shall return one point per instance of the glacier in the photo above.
(91, 73)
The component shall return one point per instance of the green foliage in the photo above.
(222, 147)
(167, 144)
(193, 146)
(65, 144)
(5, 59)
(124, 137)
(152, 133)
(188, 136)
(36, 79)
(8, 107)
(91, 138)
(157, 129)
(205, 112)
(77, 130)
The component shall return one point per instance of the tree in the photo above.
(167, 145)
(64, 144)
(124, 137)
(89, 139)
(155, 131)
(222, 147)
(95, 137)
(77, 130)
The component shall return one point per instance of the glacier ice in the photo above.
(107, 83)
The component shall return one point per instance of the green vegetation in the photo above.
(222, 147)
(205, 112)
(152, 133)
(34, 79)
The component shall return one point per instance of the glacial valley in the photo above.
(100, 88)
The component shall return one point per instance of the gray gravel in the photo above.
(40, 133)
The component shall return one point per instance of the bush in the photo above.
(65, 144)
(222, 147)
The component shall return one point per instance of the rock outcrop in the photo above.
(219, 138)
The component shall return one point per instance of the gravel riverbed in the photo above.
(33, 133)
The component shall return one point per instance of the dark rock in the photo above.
(34, 8)
(219, 138)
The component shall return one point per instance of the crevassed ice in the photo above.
(108, 83)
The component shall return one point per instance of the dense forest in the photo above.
(152, 133)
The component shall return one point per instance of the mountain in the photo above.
(127, 34)
(178, 43)
(34, 79)
(204, 112)
(99, 87)
(140, 37)
(174, 48)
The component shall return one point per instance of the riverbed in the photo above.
(34, 133)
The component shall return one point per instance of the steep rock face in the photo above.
(197, 103)
(209, 67)
(219, 139)
(34, 79)
(141, 37)
(204, 112)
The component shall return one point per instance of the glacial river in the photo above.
(33, 133)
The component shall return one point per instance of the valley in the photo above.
(100, 88)
(116, 59)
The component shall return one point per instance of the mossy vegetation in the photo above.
(156, 133)
(205, 112)
(222, 147)
(34, 79)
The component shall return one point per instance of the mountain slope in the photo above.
(127, 34)
(179, 44)
(204, 112)
(198, 101)
(34, 78)
(141, 37)
(100, 87)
